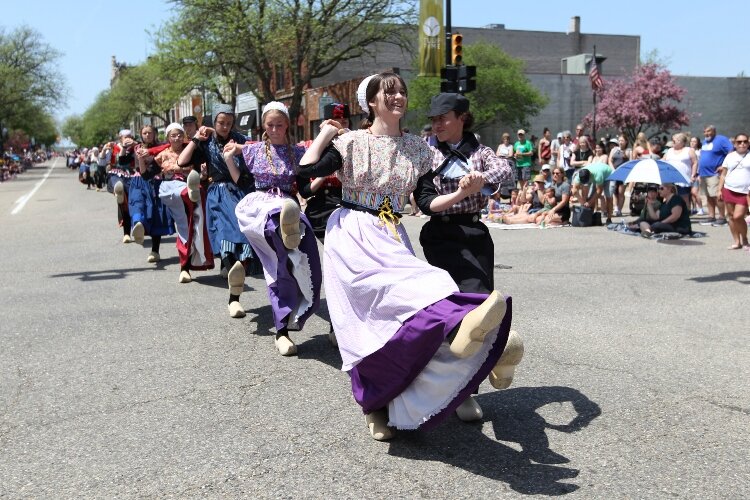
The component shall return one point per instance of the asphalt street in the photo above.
(116, 381)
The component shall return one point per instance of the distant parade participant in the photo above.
(227, 240)
(270, 218)
(192, 241)
(324, 193)
(118, 178)
(103, 160)
(148, 214)
(414, 346)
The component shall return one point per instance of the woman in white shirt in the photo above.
(684, 159)
(734, 185)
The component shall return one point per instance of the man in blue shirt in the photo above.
(715, 149)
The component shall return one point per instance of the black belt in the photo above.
(360, 208)
(457, 218)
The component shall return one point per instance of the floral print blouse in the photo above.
(280, 172)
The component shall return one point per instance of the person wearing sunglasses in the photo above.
(673, 215)
(734, 185)
(560, 213)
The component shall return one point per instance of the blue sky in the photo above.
(691, 40)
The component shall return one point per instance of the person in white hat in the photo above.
(414, 346)
(223, 194)
(192, 241)
(279, 233)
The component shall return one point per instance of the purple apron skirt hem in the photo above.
(384, 374)
(283, 294)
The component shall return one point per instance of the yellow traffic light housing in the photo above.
(457, 49)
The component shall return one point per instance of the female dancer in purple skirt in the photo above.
(280, 235)
(415, 347)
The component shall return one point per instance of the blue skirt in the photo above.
(146, 207)
(223, 228)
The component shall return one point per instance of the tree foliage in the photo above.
(503, 94)
(30, 84)
(646, 101)
(260, 42)
(150, 88)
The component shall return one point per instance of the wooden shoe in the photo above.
(194, 186)
(119, 190)
(377, 423)
(127, 239)
(469, 410)
(139, 233)
(501, 375)
(477, 324)
(285, 346)
(153, 257)
(236, 279)
(185, 277)
(236, 310)
(289, 224)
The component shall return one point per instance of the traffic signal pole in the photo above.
(448, 34)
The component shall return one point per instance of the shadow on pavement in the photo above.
(682, 242)
(312, 343)
(115, 274)
(738, 276)
(514, 418)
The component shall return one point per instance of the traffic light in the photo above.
(457, 50)
(466, 82)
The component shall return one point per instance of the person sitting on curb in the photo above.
(673, 215)
(549, 202)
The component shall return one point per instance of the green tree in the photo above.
(73, 128)
(284, 44)
(29, 79)
(150, 88)
(104, 118)
(503, 94)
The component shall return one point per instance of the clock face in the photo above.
(431, 27)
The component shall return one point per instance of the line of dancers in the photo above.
(417, 338)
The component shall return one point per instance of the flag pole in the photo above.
(593, 126)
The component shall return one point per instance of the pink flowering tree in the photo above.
(647, 101)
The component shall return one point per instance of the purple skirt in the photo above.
(385, 374)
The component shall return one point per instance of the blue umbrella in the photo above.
(650, 171)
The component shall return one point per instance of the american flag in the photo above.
(595, 77)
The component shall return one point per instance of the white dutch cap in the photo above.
(362, 94)
(278, 106)
(126, 132)
(174, 126)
